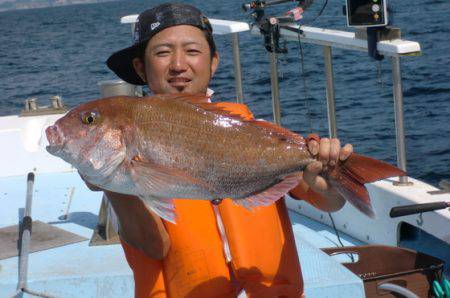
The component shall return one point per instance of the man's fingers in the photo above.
(335, 146)
(345, 152)
(313, 147)
(311, 172)
(328, 152)
(324, 150)
(312, 178)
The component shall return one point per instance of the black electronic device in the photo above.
(366, 13)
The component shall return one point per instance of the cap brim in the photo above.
(121, 63)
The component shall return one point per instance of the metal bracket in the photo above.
(445, 188)
(105, 233)
(385, 33)
(32, 109)
(402, 182)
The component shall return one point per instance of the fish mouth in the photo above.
(54, 150)
(55, 140)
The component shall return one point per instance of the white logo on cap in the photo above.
(154, 25)
(136, 31)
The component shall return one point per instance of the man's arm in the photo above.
(138, 226)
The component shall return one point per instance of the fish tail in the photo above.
(349, 177)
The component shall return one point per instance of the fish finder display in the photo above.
(366, 13)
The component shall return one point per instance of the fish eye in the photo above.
(89, 117)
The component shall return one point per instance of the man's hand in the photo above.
(329, 153)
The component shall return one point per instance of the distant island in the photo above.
(27, 4)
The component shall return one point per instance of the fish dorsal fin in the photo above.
(201, 101)
(271, 194)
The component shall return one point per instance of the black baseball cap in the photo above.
(148, 24)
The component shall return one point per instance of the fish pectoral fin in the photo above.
(272, 194)
(164, 208)
(160, 181)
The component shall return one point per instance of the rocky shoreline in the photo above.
(6, 5)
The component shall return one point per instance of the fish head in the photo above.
(90, 138)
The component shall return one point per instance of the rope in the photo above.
(339, 237)
(31, 292)
(305, 88)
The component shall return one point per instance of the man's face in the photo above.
(177, 59)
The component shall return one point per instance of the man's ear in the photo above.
(214, 63)
(139, 67)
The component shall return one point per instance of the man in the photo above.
(212, 251)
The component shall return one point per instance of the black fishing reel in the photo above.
(270, 26)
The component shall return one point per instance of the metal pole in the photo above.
(399, 128)
(331, 107)
(274, 83)
(26, 235)
(237, 67)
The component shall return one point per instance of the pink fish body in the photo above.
(178, 146)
